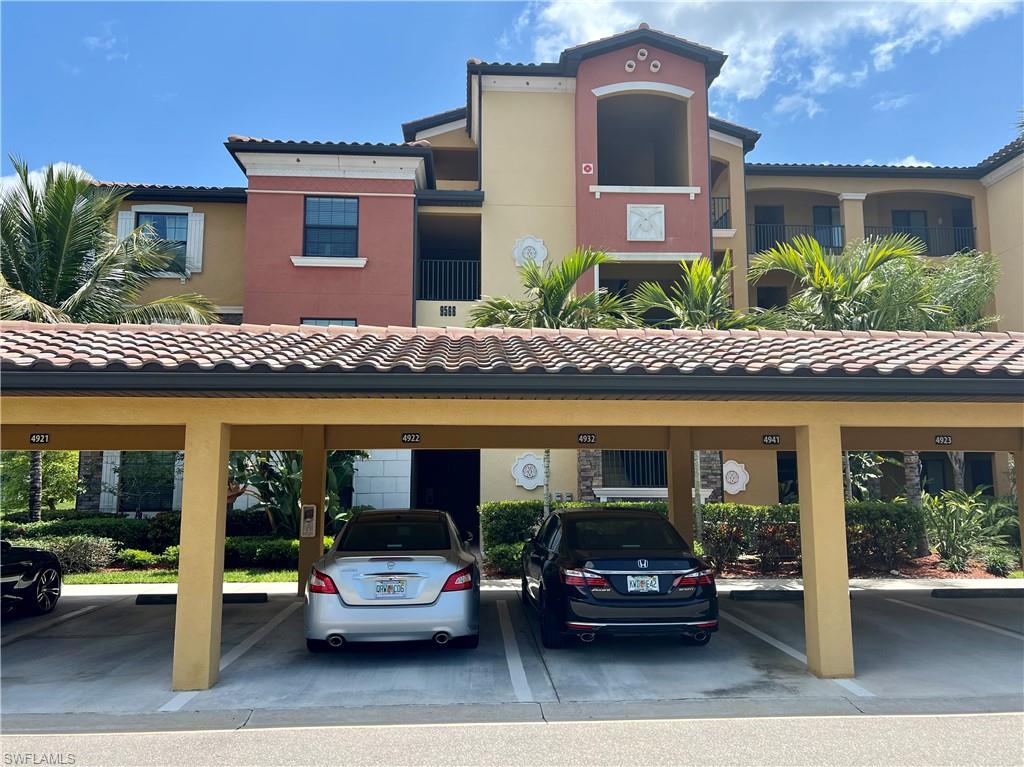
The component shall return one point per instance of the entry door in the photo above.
(912, 222)
(827, 229)
(769, 226)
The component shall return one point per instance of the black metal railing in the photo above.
(939, 240)
(764, 236)
(720, 213)
(449, 279)
(633, 468)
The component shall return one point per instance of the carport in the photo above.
(209, 390)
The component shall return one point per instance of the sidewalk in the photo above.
(725, 586)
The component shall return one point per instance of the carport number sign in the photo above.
(771, 439)
(410, 437)
(943, 439)
(586, 438)
(38, 438)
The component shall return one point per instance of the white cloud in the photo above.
(795, 43)
(35, 177)
(911, 161)
(890, 103)
(106, 43)
(794, 104)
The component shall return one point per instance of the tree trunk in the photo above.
(912, 491)
(956, 460)
(35, 485)
(847, 477)
(547, 482)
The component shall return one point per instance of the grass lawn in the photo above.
(171, 576)
(1017, 574)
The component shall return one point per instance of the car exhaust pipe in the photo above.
(587, 637)
(441, 638)
(700, 636)
(335, 640)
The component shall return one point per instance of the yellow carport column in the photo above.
(851, 213)
(827, 625)
(1018, 470)
(201, 560)
(314, 487)
(680, 481)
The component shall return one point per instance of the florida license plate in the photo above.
(642, 583)
(390, 589)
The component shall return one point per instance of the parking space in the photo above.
(108, 655)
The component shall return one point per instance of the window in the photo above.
(323, 323)
(828, 229)
(172, 227)
(642, 140)
(332, 227)
(608, 533)
(398, 534)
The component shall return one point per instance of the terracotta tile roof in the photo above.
(250, 348)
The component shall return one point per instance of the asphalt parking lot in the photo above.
(107, 655)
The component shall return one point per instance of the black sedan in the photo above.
(30, 578)
(616, 571)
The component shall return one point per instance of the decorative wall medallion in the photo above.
(655, 66)
(734, 477)
(529, 248)
(528, 471)
(645, 223)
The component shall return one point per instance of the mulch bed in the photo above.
(921, 567)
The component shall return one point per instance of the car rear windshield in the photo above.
(625, 532)
(395, 535)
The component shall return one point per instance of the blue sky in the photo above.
(148, 92)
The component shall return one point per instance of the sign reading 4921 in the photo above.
(38, 438)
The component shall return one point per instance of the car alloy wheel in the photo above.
(47, 590)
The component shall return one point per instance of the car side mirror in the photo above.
(4, 547)
(467, 537)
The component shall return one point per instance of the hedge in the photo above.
(876, 530)
(77, 553)
(126, 532)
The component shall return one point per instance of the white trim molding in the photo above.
(643, 86)
(529, 83)
(1008, 168)
(228, 309)
(599, 189)
(653, 257)
(307, 193)
(843, 196)
(723, 234)
(193, 238)
(604, 493)
(719, 136)
(439, 130)
(334, 166)
(336, 261)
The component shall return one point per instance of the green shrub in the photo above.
(134, 559)
(259, 551)
(1001, 562)
(128, 533)
(505, 558)
(777, 543)
(169, 557)
(506, 522)
(959, 524)
(248, 522)
(164, 530)
(77, 553)
(722, 543)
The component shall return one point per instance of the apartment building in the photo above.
(612, 146)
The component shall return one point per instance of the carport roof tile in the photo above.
(240, 348)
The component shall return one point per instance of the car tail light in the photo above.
(321, 583)
(584, 578)
(700, 578)
(460, 580)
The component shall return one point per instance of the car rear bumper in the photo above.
(590, 615)
(634, 629)
(456, 613)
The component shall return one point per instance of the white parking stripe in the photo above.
(968, 621)
(520, 685)
(36, 628)
(847, 684)
(181, 698)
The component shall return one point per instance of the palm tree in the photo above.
(61, 262)
(551, 301)
(700, 298)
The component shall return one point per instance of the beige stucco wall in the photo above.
(1006, 225)
(733, 156)
(761, 465)
(453, 139)
(428, 314)
(527, 174)
(497, 483)
(223, 277)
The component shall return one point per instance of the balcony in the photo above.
(938, 240)
(449, 279)
(764, 236)
(720, 218)
(634, 468)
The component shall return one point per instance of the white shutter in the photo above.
(194, 243)
(125, 224)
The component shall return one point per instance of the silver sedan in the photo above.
(394, 575)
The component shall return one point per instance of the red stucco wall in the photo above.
(277, 291)
(602, 223)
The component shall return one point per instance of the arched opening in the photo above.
(642, 140)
